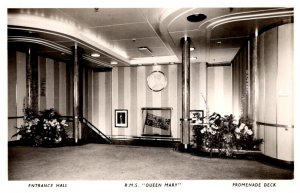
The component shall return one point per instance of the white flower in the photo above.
(249, 132)
(202, 130)
(36, 120)
(214, 127)
(213, 132)
(63, 122)
(237, 136)
(242, 126)
(235, 122)
(245, 129)
(237, 130)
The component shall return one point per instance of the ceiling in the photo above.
(117, 33)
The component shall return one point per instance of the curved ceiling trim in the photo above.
(93, 60)
(252, 15)
(40, 41)
(55, 46)
(67, 30)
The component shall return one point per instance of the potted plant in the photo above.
(225, 135)
(45, 128)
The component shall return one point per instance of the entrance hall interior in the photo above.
(127, 81)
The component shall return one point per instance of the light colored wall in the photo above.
(275, 100)
(198, 86)
(16, 90)
(97, 99)
(57, 88)
(219, 90)
(240, 90)
(130, 91)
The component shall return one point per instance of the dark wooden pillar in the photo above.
(185, 120)
(31, 79)
(77, 55)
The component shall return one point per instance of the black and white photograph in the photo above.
(150, 98)
(121, 118)
(197, 117)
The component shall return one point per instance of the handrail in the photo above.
(21, 117)
(96, 130)
(84, 120)
(274, 125)
(17, 117)
(157, 108)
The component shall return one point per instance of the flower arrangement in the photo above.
(226, 134)
(45, 128)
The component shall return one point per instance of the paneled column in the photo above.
(185, 120)
(31, 79)
(77, 95)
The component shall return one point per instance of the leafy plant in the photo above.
(226, 134)
(45, 128)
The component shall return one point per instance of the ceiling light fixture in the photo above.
(193, 58)
(192, 49)
(145, 50)
(197, 17)
(95, 55)
(113, 63)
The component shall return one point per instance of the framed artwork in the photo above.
(121, 118)
(157, 81)
(196, 117)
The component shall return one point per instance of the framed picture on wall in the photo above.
(121, 118)
(196, 117)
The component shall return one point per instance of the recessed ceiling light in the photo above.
(113, 63)
(219, 42)
(95, 55)
(197, 17)
(192, 49)
(193, 58)
(145, 50)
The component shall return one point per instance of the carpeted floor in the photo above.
(116, 162)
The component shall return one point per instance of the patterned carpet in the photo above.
(117, 162)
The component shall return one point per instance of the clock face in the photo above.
(157, 81)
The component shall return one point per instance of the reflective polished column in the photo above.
(185, 120)
(31, 80)
(252, 112)
(76, 92)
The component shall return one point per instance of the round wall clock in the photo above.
(157, 81)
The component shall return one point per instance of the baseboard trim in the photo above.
(145, 142)
(276, 162)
